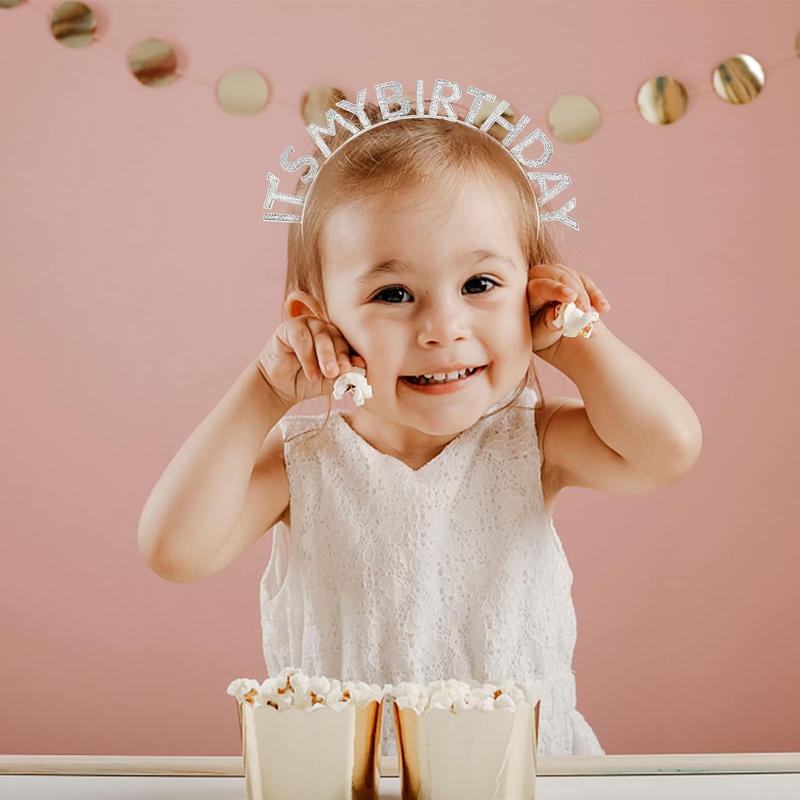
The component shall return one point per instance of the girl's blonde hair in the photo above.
(408, 153)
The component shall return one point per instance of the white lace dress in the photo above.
(453, 570)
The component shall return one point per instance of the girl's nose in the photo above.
(443, 326)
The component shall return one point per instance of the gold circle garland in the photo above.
(660, 100)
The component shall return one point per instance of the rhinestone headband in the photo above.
(438, 99)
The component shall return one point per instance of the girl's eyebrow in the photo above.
(396, 265)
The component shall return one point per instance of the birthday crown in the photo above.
(438, 99)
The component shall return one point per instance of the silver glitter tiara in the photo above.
(438, 99)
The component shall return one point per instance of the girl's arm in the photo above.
(224, 487)
(633, 431)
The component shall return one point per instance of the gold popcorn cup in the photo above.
(324, 754)
(446, 755)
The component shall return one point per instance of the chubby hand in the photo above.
(548, 287)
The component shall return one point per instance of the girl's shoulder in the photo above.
(295, 423)
(298, 428)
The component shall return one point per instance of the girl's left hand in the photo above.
(548, 287)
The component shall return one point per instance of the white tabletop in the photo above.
(774, 786)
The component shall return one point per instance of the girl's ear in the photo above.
(299, 303)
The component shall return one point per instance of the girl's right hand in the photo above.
(297, 355)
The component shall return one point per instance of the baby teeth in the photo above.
(448, 376)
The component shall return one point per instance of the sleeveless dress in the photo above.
(452, 570)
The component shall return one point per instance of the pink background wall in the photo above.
(138, 280)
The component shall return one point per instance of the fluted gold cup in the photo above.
(327, 754)
(466, 755)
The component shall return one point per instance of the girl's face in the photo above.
(420, 281)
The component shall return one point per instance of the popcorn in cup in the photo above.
(461, 740)
(309, 738)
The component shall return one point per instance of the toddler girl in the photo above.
(413, 535)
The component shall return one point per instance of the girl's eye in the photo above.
(378, 296)
(482, 278)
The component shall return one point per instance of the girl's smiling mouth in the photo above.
(426, 386)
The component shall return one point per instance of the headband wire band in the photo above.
(422, 116)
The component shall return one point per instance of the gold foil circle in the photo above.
(662, 100)
(73, 24)
(573, 118)
(242, 90)
(738, 79)
(10, 3)
(318, 100)
(153, 62)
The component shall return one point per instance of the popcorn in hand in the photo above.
(356, 380)
(574, 321)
